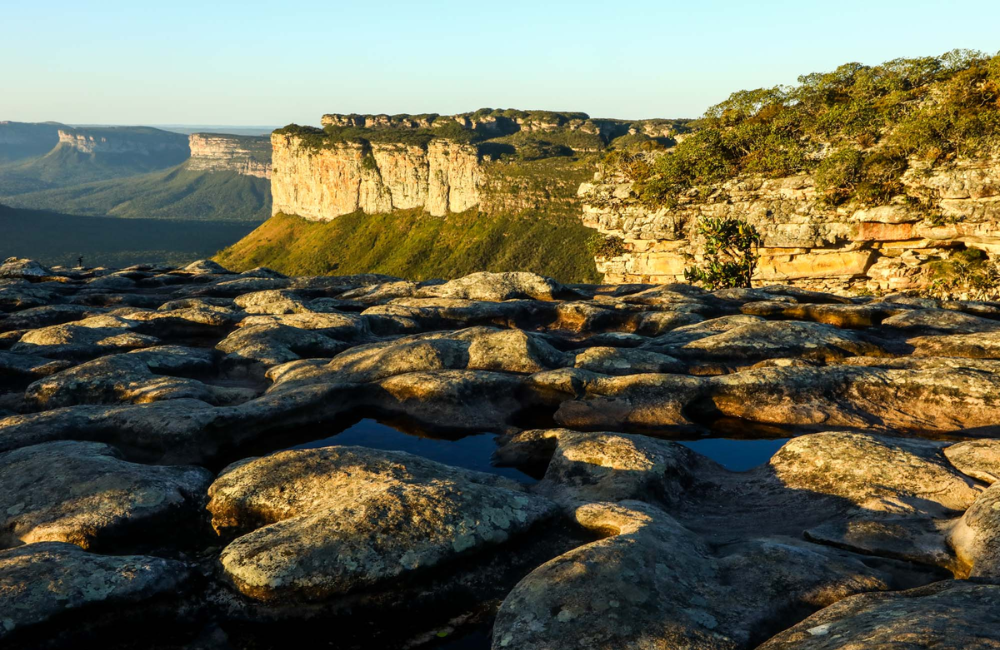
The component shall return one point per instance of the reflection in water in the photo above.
(736, 455)
(470, 452)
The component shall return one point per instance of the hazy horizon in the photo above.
(249, 64)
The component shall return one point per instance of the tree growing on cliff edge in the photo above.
(729, 253)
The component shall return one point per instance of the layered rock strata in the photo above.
(245, 155)
(806, 243)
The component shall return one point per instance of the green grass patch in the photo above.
(412, 244)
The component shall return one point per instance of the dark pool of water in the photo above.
(736, 454)
(470, 452)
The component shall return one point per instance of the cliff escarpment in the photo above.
(320, 184)
(143, 141)
(245, 155)
(442, 164)
(894, 247)
(865, 179)
(91, 154)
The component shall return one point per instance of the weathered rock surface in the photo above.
(875, 472)
(949, 615)
(842, 249)
(14, 267)
(272, 343)
(497, 287)
(89, 337)
(84, 494)
(330, 521)
(979, 459)
(202, 366)
(653, 584)
(40, 583)
(138, 377)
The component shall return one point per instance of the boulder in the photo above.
(877, 473)
(618, 361)
(35, 317)
(607, 467)
(206, 267)
(978, 345)
(976, 537)
(948, 615)
(271, 344)
(21, 294)
(85, 338)
(40, 584)
(14, 267)
(651, 583)
(475, 348)
(939, 321)
(497, 287)
(27, 367)
(140, 377)
(85, 494)
(325, 522)
(745, 344)
(935, 397)
(979, 459)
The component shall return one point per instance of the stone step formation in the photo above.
(152, 494)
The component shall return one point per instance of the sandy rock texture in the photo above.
(525, 464)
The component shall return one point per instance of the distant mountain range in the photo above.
(135, 172)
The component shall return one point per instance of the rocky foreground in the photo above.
(149, 495)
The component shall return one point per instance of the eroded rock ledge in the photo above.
(151, 463)
(844, 249)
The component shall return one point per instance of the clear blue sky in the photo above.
(271, 63)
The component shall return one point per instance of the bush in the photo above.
(967, 274)
(605, 247)
(872, 178)
(931, 107)
(730, 253)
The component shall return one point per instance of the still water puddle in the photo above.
(471, 452)
(735, 454)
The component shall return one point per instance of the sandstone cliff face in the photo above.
(246, 155)
(807, 243)
(442, 163)
(320, 184)
(124, 140)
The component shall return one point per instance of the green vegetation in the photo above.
(730, 253)
(22, 140)
(334, 136)
(414, 245)
(545, 186)
(66, 166)
(54, 238)
(875, 119)
(605, 247)
(967, 274)
(177, 193)
(499, 133)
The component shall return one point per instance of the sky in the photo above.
(215, 62)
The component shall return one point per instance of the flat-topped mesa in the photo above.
(245, 155)
(502, 122)
(123, 140)
(442, 164)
